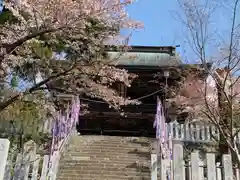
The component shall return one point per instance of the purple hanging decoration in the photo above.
(161, 135)
(63, 125)
(68, 117)
(161, 130)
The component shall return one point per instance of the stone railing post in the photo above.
(4, 147)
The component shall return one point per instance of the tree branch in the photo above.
(36, 87)
(11, 47)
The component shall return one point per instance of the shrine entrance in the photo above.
(137, 120)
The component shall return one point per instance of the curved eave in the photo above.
(143, 59)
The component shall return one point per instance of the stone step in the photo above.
(92, 163)
(100, 178)
(105, 147)
(133, 153)
(128, 168)
(96, 167)
(79, 177)
(106, 170)
(113, 138)
(110, 151)
(106, 158)
(103, 176)
(86, 159)
(111, 141)
(96, 172)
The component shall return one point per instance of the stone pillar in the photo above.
(4, 147)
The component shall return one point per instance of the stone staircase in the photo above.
(106, 158)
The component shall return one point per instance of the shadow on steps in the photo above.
(140, 168)
(142, 154)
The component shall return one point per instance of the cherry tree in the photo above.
(33, 33)
(214, 100)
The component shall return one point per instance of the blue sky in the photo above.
(162, 27)
(1, 7)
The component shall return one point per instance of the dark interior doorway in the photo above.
(116, 125)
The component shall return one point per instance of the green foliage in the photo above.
(41, 51)
(7, 16)
(60, 46)
(14, 81)
(22, 121)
